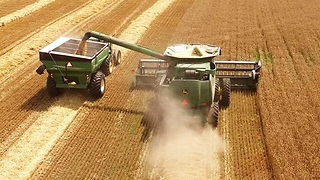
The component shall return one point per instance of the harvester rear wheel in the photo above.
(226, 89)
(217, 91)
(97, 84)
(117, 57)
(213, 115)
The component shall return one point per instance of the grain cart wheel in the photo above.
(117, 57)
(217, 91)
(97, 84)
(213, 115)
(226, 88)
(51, 87)
(107, 66)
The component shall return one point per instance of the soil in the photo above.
(271, 133)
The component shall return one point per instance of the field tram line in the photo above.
(14, 120)
(12, 43)
(235, 164)
(264, 139)
(6, 8)
(60, 153)
(298, 79)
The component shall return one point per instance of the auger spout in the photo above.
(124, 44)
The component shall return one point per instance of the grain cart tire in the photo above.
(213, 115)
(97, 84)
(217, 91)
(117, 57)
(107, 66)
(226, 89)
(51, 87)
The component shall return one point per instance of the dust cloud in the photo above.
(183, 148)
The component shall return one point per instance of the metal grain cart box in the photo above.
(73, 63)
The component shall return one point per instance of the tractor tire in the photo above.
(213, 115)
(97, 84)
(109, 66)
(226, 89)
(217, 91)
(51, 87)
(117, 57)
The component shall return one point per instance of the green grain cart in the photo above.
(69, 66)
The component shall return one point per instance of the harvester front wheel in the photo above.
(213, 115)
(117, 57)
(97, 84)
(226, 89)
(51, 87)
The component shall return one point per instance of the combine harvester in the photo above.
(188, 72)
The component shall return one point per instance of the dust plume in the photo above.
(183, 148)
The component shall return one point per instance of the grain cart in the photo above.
(73, 64)
(190, 74)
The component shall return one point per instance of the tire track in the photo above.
(245, 155)
(12, 40)
(6, 6)
(20, 13)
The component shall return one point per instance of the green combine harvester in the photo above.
(187, 72)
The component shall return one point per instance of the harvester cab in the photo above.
(190, 73)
